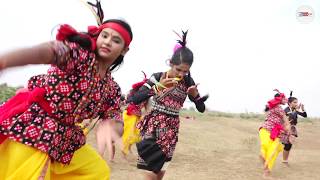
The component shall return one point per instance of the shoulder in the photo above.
(287, 109)
(157, 75)
(278, 109)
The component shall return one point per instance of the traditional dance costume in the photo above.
(159, 128)
(272, 131)
(38, 129)
(293, 118)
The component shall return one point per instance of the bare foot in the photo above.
(266, 175)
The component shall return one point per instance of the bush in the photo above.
(6, 92)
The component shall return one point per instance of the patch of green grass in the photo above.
(6, 92)
(241, 116)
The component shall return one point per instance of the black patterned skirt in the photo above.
(150, 155)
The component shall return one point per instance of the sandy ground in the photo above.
(227, 148)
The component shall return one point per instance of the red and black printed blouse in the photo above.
(75, 92)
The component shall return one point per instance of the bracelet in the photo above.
(161, 85)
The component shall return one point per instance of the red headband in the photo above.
(66, 30)
(276, 100)
(115, 26)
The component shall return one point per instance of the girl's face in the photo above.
(180, 70)
(110, 45)
(293, 104)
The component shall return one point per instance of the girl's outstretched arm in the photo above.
(39, 54)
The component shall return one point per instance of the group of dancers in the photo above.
(278, 132)
(43, 128)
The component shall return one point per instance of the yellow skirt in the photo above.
(131, 134)
(19, 161)
(269, 148)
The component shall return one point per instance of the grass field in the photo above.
(226, 146)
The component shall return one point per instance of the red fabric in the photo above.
(94, 30)
(66, 30)
(137, 85)
(22, 90)
(21, 102)
(2, 138)
(132, 109)
(276, 101)
(275, 132)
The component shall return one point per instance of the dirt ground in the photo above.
(214, 148)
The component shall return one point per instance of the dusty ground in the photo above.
(227, 148)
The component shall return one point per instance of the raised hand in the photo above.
(193, 90)
(167, 82)
(298, 107)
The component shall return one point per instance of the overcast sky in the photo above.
(243, 49)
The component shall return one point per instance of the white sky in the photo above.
(243, 49)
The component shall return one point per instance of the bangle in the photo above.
(161, 85)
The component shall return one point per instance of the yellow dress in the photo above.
(269, 148)
(19, 161)
(131, 134)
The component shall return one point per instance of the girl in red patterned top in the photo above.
(272, 131)
(38, 131)
(159, 128)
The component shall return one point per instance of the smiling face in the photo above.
(110, 45)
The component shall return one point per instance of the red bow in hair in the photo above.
(276, 100)
(137, 85)
(93, 30)
(66, 30)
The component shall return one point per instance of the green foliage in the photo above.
(252, 116)
(211, 115)
(6, 92)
